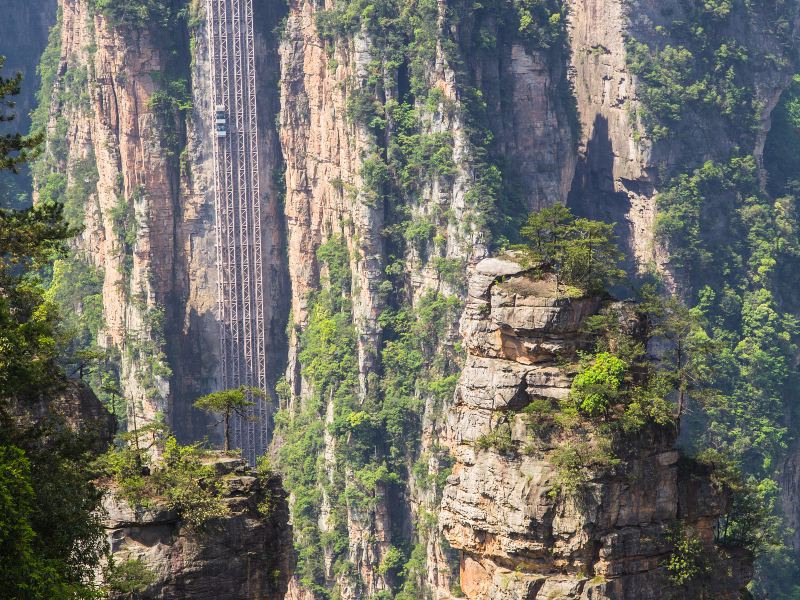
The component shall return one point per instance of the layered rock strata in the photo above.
(242, 556)
(519, 535)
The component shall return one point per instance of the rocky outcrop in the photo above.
(521, 537)
(242, 556)
(71, 405)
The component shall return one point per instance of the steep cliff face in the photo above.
(621, 165)
(395, 129)
(415, 136)
(128, 128)
(520, 533)
(104, 133)
(244, 555)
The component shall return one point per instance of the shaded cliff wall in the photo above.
(621, 165)
(243, 555)
(23, 37)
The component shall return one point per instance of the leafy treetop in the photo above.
(227, 403)
(578, 251)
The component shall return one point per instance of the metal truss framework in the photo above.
(237, 204)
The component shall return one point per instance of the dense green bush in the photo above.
(128, 577)
(699, 68)
(181, 479)
(598, 385)
(138, 14)
(578, 251)
(688, 559)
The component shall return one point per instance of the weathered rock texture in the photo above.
(72, 405)
(243, 556)
(159, 290)
(618, 168)
(522, 539)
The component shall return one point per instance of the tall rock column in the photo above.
(521, 532)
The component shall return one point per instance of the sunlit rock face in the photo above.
(520, 538)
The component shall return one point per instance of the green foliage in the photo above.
(415, 366)
(83, 179)
(182, 480)
(499, 439)
(580, 252)
(687, 560)
(15, 149)
(598, 385)
(541, 22)
(698, 71)
(170, 103)
(266, 475)
(29, 326)
(228, 403)
(329, 357)
(335, 256)
(50, 533)
(782, 149)
(38, 560)
(377, 435)
(690, 207)
(738, 250)
(44, 480)
(125, 227)
(744, 250)
(129, 577)
(576, 462)
(189, 486)
(137, 14)
(47, 71)
(19, 565)
(392, 561)
(751, 520)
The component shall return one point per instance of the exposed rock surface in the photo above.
(243, 556)
(72, 405)
(618, 167)
(159, 288)
(172, 268)
(522, 539)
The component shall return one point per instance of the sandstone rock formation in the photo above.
(147, 214)
(243, 556)
(562, 127)
(520, 537)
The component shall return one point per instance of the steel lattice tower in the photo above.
(237, 205)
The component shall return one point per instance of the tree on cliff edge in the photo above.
(228, 403)
(579, 252)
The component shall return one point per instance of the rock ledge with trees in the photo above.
(243, 553)
(567, 481)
